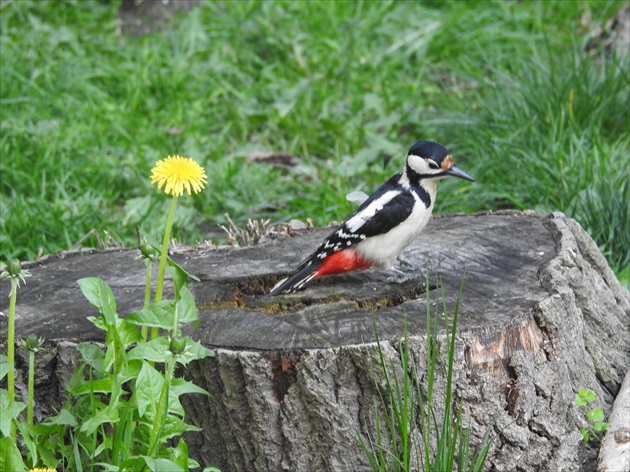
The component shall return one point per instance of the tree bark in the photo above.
(293, 384)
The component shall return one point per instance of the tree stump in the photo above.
(293, 383)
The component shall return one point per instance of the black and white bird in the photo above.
(385, 224)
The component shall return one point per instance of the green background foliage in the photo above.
(525, 95)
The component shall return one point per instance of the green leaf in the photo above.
(156, 350)
(103, 385)
(158, 315)
(92, 354)
(108, 415)
(178, 273)
(579, 401)
(160, 465)
(194, 351)
(601, 426)
(596, 414)
(142, 462)
(8, 412)
(186, 306)
(587, 395)
(128, 332)
(63, 418)
(179, 387)
(585, 435)
(179, 455)
(148, 388)
(101, 296)
(5, 368)
(10, 457)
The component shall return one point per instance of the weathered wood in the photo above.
(614, 454)
(542, 315)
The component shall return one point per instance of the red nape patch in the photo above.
(340, 262)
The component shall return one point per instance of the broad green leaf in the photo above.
(155, 465)
(596, 414)
(5, 368)
(92, 354)
(158, 315)
(156, 350)
(63, 418)
(108, 415)
(174, 426)
(103, 385)
(131, 370)
(187, 309)
(161, 465)
(179, 455)
(10, 457)
(178, 275)
(179, 387)
(194, 351)
(182, 274)
(128, 332)
(579, 401)
(601, 426)
(148, 388)
(8, 411)
(101, 296)
(587, 395)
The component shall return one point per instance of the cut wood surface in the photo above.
(541, 316)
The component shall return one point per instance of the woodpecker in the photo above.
(384, 224)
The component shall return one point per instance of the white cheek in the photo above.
(418, 164)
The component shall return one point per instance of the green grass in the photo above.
(347, 87)
(410, 414)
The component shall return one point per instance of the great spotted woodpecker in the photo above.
(387, 222)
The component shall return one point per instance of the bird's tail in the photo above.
(296, 281)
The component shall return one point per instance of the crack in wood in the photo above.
(251, 293)
(283, 371)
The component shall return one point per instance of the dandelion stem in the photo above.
(162, 407)
(163, 258)
(31, 387)
(11, 341)
(11, 349)
(147, 297)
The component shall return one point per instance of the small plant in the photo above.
(123, 411)
(32, 344)
(444, 445)
(15, 273)
(594, 416)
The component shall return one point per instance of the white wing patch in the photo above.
(357, 221)
(357, 197)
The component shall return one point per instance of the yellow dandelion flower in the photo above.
(178, 173)
(42, 469)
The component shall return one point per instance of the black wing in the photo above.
(381, 221)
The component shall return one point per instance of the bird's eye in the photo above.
(433, 165)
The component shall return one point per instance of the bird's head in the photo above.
(429, 160)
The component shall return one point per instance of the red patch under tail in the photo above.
(342, 261)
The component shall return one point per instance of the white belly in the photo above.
(385, 248)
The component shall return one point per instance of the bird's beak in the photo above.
(455, 171)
